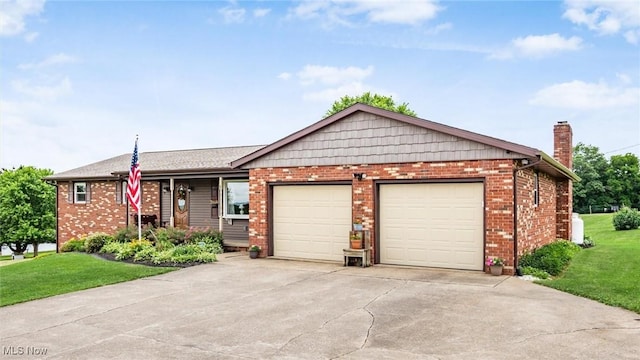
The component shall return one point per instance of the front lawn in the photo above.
(57, 274)
(608, 272)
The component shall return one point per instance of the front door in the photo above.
(181, 205)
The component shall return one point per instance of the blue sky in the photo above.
(80, 79)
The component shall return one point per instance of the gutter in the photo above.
(556, 164)
(515, 208)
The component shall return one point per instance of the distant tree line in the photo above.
(607, 184)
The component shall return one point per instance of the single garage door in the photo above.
(311, 221)
(437, 225)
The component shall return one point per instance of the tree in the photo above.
(591, 166)
(27, 208)
(623, 180)
(383, 102)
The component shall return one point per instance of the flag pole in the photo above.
(139, 203)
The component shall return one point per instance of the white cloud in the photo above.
(57, 59)
(14, 12)
(632, 36)
(606, 17)
(439, 28)
(545, 45)
(232, 14)
(284, 76)
(586, 96)
(624, 78)
(43, 92)
(31, 37)
(537, 46)
(261, 12)
(328, 83)
(393, 12)
(330, 75)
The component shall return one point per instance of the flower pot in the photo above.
(356, 244)
(496, 270)
(253, 254)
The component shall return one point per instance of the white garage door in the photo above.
(437, 225)
(311, 221)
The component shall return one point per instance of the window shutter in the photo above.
(88, 190)
(70, 192)
(118, 192)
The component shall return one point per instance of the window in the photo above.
(236, 196)
(124, 192)
(536, 189)
(80, 192)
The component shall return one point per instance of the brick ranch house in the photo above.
(429, 194)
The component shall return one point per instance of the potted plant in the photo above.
(495, 264)
(254, 250)
(355, 241)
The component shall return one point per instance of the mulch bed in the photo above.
(112, 257)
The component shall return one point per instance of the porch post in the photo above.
(171, 219)
(221, 203)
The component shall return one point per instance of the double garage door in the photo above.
(435, 225)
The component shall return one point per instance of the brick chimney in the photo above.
(563, 152)
(563, 143)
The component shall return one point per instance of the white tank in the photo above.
(577, 231)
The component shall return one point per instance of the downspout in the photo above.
(515, 209)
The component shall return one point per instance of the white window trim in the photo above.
(123, 191)
(75, 192)
(225, 215)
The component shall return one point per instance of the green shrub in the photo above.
(540, 274)
(126, 234)
(73, 245)
(552, 258)
(113, 247)
(94, 242)
(588, 242)
(207, 235)
(626, 219)
(185, 254)
(174, 235)
(132, 248)
(145, 254)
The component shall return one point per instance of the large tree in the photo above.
(623, 179)
(381, 101)
(591, 166)
(27, 208)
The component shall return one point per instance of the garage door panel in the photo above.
(311, 221)
(438, 225)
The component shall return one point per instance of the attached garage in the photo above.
(311, 221)
(432, 224)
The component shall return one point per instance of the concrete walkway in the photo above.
(254, 309)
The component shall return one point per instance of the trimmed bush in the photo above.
(552, 258)
(626, 219)
(73, 245)
(94, 242)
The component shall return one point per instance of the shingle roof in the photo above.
(158, 162)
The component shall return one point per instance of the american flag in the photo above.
(133, 184)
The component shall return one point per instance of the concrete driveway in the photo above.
(253, 309)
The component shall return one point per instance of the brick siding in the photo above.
(102, 213)
(497, 174)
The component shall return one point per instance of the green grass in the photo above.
(610, 271)
(64, 273)
(26, 256)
